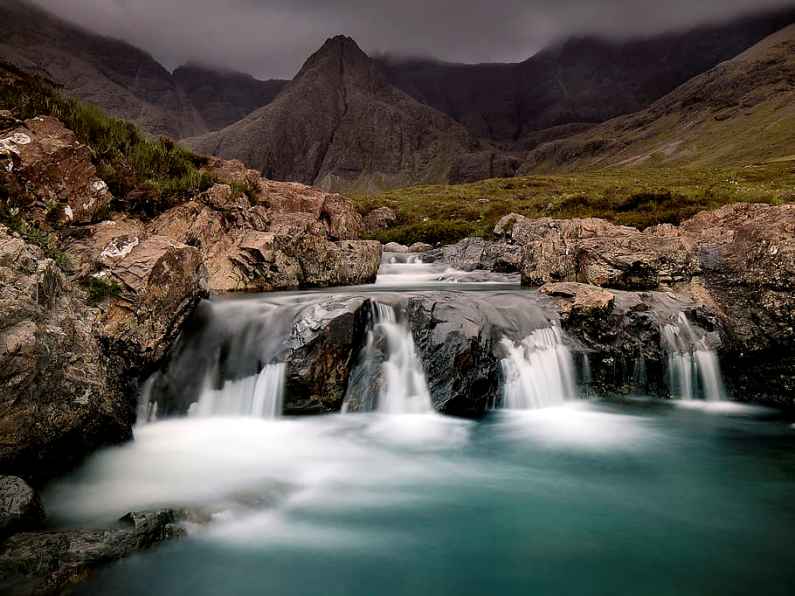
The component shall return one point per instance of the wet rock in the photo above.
(378, 219)
(747, 255)
(419, 247)
(20, 507)
(458, 340)
(50, 174)
(52, 561)
(620, 332)
(59, 396)
(473, 254)
(323, 346)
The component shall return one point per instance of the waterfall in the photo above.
(147, 409)
(538, 372)
(390, 367)
(693, 368)
(259, 395)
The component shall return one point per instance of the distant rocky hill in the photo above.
(582, 80)
(339, 124)
(222, 97)
(741, 111)
(124, 80)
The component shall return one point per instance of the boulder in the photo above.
(59, 395)
(51, 562)
(326, 264)
(20, 506)
(456, 345)
(395, 247)
(50, 174)
(419, 247)
(92, 248)
(472, 254)
(323, 346)
(159, 283)
(253, 261)
(378, 219)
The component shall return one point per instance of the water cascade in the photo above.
(259, 395)
(389, 365)
(538, 372)
(693, 368)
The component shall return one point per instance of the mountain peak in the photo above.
(340, 53)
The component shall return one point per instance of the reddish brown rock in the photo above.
(160, 282)
(380, 219)
(52, 173)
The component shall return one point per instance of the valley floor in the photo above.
(638, 197)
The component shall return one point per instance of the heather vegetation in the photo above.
(146, 175)
(637, 197)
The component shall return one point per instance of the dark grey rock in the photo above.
(20, 506)
(49, 562)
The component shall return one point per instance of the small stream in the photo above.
(550, 493)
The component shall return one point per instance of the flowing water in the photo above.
(693, 368)
(551, 494)
(539, 372)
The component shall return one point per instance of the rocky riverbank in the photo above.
(737, 264)
(95, 299)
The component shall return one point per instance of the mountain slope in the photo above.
(222, 97)
(124, 80)
(741, 111)
(340, 125)
(120, 78)
(581, 80)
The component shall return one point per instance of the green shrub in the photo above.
(101, 288)
(432, 232)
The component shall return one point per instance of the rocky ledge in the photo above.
(737, 263)
(37, 562)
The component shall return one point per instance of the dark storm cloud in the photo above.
(271, 38)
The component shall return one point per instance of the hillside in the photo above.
(222, 97)
(742, 111)
(579, 80)
(340, 125)
(124, 80)
(637, 197)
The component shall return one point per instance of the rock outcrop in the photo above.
(59, 396)
(53, 561)
(379, 219)
(738, 262)
(50, 174)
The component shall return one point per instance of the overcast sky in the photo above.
(272, 38)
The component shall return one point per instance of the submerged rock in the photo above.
(52, 561)
(20, 506)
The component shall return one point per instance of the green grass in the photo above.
(100, 288)
(145, 175)
(637, 197)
